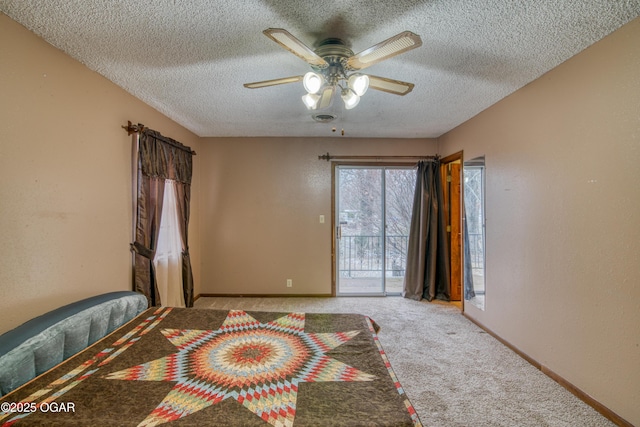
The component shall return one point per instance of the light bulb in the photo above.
(312, 82)
(310, 100)
(359, 83)
(350, 98)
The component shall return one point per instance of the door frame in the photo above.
(334, 168)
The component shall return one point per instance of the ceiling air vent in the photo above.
(323, 117)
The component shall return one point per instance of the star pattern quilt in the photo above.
(197, 367)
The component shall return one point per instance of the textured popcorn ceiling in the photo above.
(189, 58)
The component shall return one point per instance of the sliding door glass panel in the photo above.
(360, 231)
(474, 179)
(399, 188)
(374, 206)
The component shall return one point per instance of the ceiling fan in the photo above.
(335, 67)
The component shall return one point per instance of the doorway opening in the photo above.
(372, 217)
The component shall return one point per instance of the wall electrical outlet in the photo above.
(289, 283)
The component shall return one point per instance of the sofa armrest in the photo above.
(43, 342)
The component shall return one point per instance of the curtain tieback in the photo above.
(143, 250)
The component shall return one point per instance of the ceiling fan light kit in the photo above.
(333, 65)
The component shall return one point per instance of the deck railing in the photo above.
(361, 255)
(476, 250)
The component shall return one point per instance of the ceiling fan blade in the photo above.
(266, 83)
(395, 87)
(393, 46)
(295, 46)
(327, 97)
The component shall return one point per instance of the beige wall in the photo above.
(65, 174)
(262, 198)
(563, 218)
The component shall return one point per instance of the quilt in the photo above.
(200, 367)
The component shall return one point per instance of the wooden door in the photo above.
(451, 177)
(455, 236)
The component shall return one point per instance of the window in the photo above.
(168, 259)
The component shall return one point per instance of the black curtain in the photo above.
(427, 273)
(160, 158)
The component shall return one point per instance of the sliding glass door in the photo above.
(373, 215)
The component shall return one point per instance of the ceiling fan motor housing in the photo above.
(335, 53)
(333, 47)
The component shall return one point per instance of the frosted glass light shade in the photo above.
(310, 100)
(350, 98)
(359, 83)
(312, 82)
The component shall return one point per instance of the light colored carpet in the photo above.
(454, 373)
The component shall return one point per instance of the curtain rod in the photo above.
(131, 129)
(328, 157)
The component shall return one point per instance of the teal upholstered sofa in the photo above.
(41, 343)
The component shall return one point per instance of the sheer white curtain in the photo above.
(168, 259)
